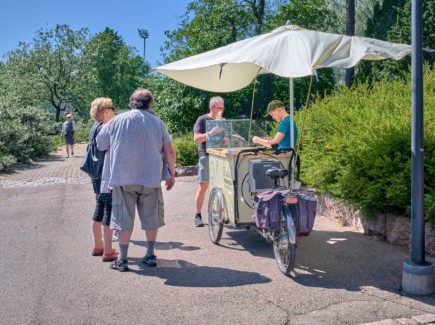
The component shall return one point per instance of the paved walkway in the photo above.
(57, 169)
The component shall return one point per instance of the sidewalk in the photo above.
(341, 276)
(55, 169)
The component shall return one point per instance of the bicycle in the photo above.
(227, 183)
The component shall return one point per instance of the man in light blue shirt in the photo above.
(135, 140)
(276, 110)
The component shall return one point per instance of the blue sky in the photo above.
(20, 19)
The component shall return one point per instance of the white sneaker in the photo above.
(115, 235)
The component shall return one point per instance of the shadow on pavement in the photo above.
(181, 273)
(335, 260)
(167, 245)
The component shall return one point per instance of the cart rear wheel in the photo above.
(283, 249)
(216, 212)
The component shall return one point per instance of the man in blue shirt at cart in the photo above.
(276, 110)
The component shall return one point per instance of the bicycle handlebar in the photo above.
(275, 149)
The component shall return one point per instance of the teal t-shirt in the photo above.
(284, 127)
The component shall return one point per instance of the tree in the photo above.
(350, 31)
(110, 68)
(209, 24)
(46, 73)
(392, 22)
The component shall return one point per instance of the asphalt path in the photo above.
(48, 275)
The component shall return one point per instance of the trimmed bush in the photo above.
(24, 135)
(186, 150)
(356, 146)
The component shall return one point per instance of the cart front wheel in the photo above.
(215, 215)
(283, 249)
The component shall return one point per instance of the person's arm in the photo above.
(103, 138)
(268, 142)
(199, 131)
(202, 137)
(199, 137)
(168, 149)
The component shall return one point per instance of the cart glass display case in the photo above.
(232, 133)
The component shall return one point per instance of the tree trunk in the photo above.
(350, 31)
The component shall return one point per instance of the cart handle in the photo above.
(277, 150)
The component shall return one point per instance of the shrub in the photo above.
(186, 150)
(24, 135)
(356, 146)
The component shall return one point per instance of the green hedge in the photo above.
(186, 150)
(24, 135)
(356, 146)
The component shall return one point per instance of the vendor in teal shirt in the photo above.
(276, 110)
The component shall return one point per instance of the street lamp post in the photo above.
(143, 33)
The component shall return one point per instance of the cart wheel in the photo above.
(215, 215)
(283, 249)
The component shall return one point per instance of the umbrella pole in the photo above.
(292, 135)
(294, 184)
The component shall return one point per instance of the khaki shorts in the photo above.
(149, 204)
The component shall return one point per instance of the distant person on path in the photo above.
(200, 137)
(102, 111)
(135, 140)
(69, 129)
(276, 110)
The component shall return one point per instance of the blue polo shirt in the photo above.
(284, 127)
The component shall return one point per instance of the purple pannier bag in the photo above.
(307, 205)
(267, 209)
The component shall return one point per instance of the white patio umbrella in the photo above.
(288, 51)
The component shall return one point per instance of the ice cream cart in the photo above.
(237, 171)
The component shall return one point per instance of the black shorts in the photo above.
(103, 207)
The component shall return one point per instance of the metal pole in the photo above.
(143, 33)
(417, 149)
(292, 102)
(144, 44)
(418, 276)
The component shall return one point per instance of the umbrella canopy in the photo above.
(288, 51)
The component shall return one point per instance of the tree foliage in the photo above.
(392, 22)
(46, 74)
(64, 70)
(109, 68)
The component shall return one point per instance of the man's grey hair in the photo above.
(141, 99)
(216, 99)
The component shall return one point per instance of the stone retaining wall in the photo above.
(394, 229)
(186, 171)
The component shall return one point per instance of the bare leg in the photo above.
(151, 235)
(124, 236)
(67, 150)
(98, 238)
(200, 195)
(72, 149)
(108, 234)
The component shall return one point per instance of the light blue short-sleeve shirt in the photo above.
(135, 140)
